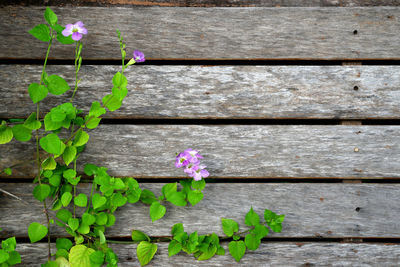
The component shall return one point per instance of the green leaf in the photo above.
(97, 258)
(101, 218)
(3, 256)
(80, 200)
(14, 258)
(50, 125)
(64, 215)
(98, 201)
(6, 134)
(90, 169)
(32, 123)
(169, 189)
(69, 173)
(177, 229)
(62, 262)
(199, 185)
(49, 164)
(119, 80)
(50, 16)
(21, 133)
(208, 254)
(93, 123)
(118, 200)
(273, 220)
(237, 249)
(9, 244)
(252, 242)
(63, 243)
(119, 93)
(57, 115)
(50, 264)
(110, 220)
(83, 229)
(220, 251)
(145, 252)
(111, 102)
(157, 211)
(57, 85)
(133, 195)
(260, 231)
(229, 226)
(37, 92)
(195, 197)
(41, 32)
(147, 197)
(252, 218)
(174, 248)
(69, 154)
(81, 138)
(73, 223)
(41, 191)
(79, 256)
(178, 199)
(139, 236)
(102, 237)
(88, 219)
(96, 110)
(36, 232)
(52, 144)
(7, 171)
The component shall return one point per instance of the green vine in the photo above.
(86, 217)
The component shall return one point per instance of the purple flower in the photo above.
(138, 56)
(199, 172)
(195, 156)
(190, 169)
(183, 159)
(76, 30)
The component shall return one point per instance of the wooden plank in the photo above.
(268, 254)
(257, 92)
(234, 151)
(214, 33)
(312, 210)
(210, 3)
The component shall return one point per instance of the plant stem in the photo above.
(37, 146)
(90, 197)
(74, 187)
(77, 56)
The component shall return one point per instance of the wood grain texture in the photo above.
(214, 33)
(284, 254)
(208, 3)
(260, 92)
(230, 151)
(312, 210)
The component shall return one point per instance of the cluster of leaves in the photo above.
(204, 247)
(8, 255)
(191, 192)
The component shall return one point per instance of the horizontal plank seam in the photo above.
(364, 240)
(210, 62)
(244, 180)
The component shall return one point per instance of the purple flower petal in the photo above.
(204, 173)
(76, 36)
(68, 30)
(79, 24)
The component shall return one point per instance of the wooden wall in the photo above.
(294, 105)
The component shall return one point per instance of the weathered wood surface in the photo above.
(261, 92)
(285, 254)
(214, 33)
(230, 151)
(312, 210)
(208, 3)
